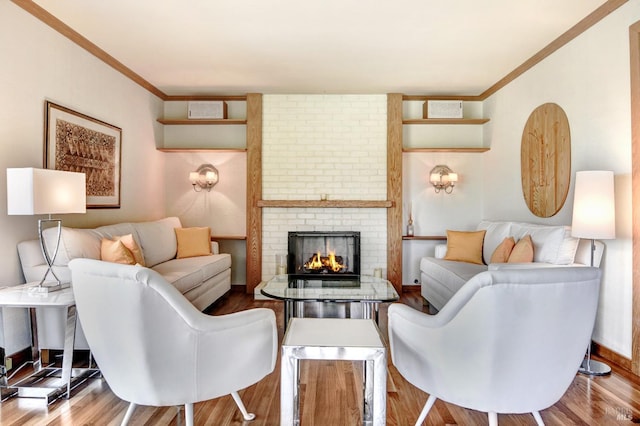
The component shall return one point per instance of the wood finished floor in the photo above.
(330, 396)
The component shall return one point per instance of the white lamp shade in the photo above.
(594, 215)
(33, 191)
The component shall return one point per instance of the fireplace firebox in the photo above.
(332, 254)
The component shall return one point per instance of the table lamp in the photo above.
(594, 218)
(32, 191)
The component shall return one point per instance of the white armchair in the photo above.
(507, 342)
(155, 348)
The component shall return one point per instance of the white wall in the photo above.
(434, 213)
(325, 144)
(223, 209)
(589, 78)
(38, 64)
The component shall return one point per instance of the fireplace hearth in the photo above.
(320, 254)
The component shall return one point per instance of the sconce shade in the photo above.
(205, 177)
(443, 178)
(32, 191)
(594, 215)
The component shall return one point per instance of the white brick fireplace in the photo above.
(325, 144)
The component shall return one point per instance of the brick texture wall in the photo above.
(325, 144)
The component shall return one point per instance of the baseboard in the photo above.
(410, 287)
(238, 288)
(19, 358)
(611, 356)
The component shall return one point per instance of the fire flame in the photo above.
(320, 262)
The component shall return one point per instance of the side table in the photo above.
(45, 382)
(334, 339)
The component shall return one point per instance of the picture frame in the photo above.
(76, 142)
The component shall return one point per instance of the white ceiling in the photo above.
(321, 46)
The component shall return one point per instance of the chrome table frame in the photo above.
(49, 383)
(334, 339)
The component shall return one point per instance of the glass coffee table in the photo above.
(295, 291)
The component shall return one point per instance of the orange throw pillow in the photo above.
(116, 252)
(130, 243)
(465, 246)
(502, 252)
(523, 251)
(193, 242)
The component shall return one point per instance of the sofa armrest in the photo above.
(441, 251)
(524, 265)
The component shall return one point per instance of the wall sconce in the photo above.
(443, 178)
(205, 177)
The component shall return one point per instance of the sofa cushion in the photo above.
(465, 246)
(158, 239)
(551, 243)
(115, 231)
(496, 233)
(74, 243)
(450, 273)
(188, 273)
(194, 241)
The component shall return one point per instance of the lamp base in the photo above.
(46, 288)
(594, 368)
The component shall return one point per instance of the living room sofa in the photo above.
(201, 279)
(553, 246)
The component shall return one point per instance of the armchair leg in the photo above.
(538, 417)
(493, 419)
(425, 410)
(128, 414)
(188, 414)
(243, 410)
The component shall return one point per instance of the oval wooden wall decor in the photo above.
(545, 160)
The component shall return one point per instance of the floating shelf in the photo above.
(425, 237)
(473, 121)
(201, 122)
(228, 237)
(326, 203)
(443, 149)
(202, 149)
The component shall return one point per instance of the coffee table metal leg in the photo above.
(367, 393)
(379, 385)
(288, 306)
(289, 389)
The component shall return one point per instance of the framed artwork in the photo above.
(78, 143)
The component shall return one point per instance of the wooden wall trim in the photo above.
(254, 190)
(394, 190)
(87, 45)
(573, 32)
(634, 52)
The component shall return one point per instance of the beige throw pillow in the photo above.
(502, 252)
(523, 251)
(193, 242)
(116, 252)
(465, 246)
